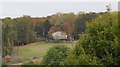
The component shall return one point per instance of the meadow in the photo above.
(34, 51)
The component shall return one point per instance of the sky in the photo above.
(43, 9)
(59, 0)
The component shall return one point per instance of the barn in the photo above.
(59, 35)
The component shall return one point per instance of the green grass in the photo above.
(38, 49)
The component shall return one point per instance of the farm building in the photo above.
(59, 35)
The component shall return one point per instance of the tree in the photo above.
(64, 22)
(8, 35)
(39, 29)
(25, 30)
(80, 24)
(46, 28)
(98, 45)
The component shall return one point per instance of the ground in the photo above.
(34, 51)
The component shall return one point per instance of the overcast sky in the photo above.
(43, 9)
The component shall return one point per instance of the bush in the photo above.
(70, 60)
(81, 59)
(55, 55)
(99, 44)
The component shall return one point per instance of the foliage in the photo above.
(63, 22)
(80, 24)
(39, 29)
(82, 59)
(14, 30)
(46, 28)
(99, 44)
(55, 55)
(25, 30)
(8, 35)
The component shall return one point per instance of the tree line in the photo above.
(26, 29)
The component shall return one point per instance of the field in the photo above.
(34, 50)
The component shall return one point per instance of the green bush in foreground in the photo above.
(55, 55)
(99, 44)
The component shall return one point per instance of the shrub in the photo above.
(99, 44)
(55, 55)
(70, 60)
(81, 59)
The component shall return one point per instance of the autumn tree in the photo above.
(64, 22)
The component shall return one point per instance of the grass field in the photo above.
(38, 49)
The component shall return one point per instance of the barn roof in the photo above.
(59, 35)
